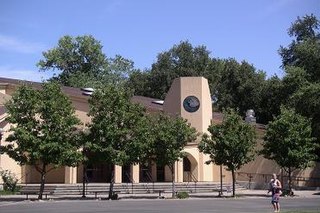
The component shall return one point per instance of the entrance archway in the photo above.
(190, 169)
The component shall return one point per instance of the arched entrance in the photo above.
(190, 169)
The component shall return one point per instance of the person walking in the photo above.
(275, 188)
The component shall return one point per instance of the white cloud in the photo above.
(15, 45)
(22, 74)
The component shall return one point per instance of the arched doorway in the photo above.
(190, 169)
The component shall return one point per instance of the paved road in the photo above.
(252, 205)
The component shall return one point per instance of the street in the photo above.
(248, 205)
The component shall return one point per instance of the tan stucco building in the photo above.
(188, 97)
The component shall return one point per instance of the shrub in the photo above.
(182, 195)
(9, 181)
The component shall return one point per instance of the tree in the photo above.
(301, 60)
(118, 131)
(43, 124)
(169, 136)
(231, 143)
(181, 60)
(239, 86)
(80, 62)
(272, 95)
(288, 141)
(304, 51)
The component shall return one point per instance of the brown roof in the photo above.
(71, 91)
(4, 98)
(148, 103)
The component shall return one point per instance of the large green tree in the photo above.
(169, 136)
(181, 60)
(80, 62)
(288, 141)
(119, 132)
(304, 50)
(233, 84)
(230, 144)
(43, 125)
(239, 86)
(301, 60)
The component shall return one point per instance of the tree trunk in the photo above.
(43, 176)
(221, 193)
(111, 186)
(290, 180)
(233, 183)
(84, 170)
(173, 185)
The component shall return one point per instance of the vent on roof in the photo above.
(160, 102)
(87, 91)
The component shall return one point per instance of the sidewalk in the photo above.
(243, 194)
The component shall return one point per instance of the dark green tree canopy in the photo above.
(169, 136)
(304, 51)
(80, 62)
(118, 131)
(231, 143)
(289, 142)
(43, 125)
(43, 129)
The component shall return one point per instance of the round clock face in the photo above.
(191, 104)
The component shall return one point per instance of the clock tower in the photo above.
(189, 97)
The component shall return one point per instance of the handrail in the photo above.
(149, 179)
(130, 179)
(193, 179)
(295, 178)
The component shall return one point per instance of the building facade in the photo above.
(188, 97)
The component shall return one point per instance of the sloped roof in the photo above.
(4, 98)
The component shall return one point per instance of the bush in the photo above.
(9, 181)
(182, 195)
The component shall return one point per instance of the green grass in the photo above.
(301, 211)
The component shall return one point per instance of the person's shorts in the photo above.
(275, 198)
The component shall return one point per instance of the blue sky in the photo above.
(250, 30)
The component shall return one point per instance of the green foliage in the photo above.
(288, 141)
(239, 86)
(80, 62)
(235, 85)
(118, 131)
(271, 97)
(180, 60)
(43, 124)
(9, 181)
(169, 136)
(301, 60)
(231, 143)
(182, 195)
(304, 51)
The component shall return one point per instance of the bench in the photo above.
(36, 192)
(160, 191)
(103, 191)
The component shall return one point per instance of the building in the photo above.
(188, 97)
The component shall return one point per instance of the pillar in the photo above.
(179, 171)
(117, 174)
(135, 173)
(70, 175)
